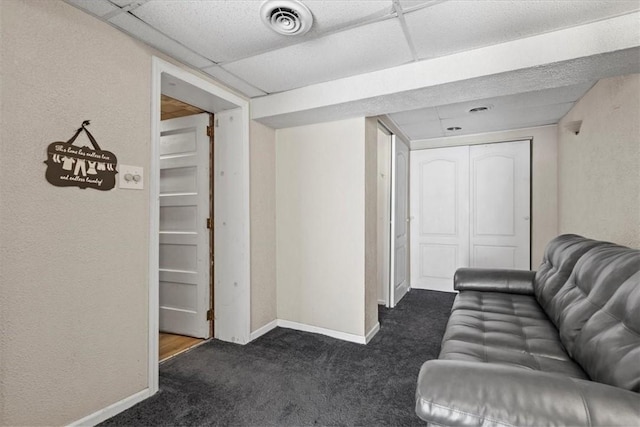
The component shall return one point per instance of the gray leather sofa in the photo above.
(560, 346)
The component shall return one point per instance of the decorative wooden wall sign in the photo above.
(68, 165)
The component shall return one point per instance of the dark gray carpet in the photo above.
(296, 378)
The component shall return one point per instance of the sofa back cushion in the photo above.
(616, 329)
(597, 312)
(560, 256)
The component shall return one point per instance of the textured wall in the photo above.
(74, 262)
(263, 225)
(599, 169)
(320, 225)
(544, 177)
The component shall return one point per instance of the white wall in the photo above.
(544, 177)
(599, 169)
(263, 225)
(320, 225)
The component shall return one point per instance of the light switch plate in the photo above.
(130, 177)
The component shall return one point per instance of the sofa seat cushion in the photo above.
(499, 303)
(505, 329)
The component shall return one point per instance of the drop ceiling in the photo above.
(227, 40)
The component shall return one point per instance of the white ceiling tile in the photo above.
(415, 116)
(225, 31)
(218, 30)
(422, 130)
(504, 120)
(506, 112)
(408, 5)
(95, 7)
(515, 102)
(336, 14)
(142, 31)
(229, 79)
(122, 3)
(358, 50)
(460, 25)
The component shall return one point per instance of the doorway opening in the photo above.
(392, 220)
(186, 244)
(230, 220)
(384, 141)
(471, 206)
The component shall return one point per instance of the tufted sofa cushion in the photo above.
(597, 312)
(560, 256)
(508, 329)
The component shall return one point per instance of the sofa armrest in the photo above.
(460, 393)
(494, 280)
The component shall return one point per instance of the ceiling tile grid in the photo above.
(228, 40)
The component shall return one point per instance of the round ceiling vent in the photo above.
(288, 17)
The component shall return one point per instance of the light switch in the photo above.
(130, 177)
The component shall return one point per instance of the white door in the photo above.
(184, 237)
(399, 222)
(500, 205)
(384, 215)
(440, 216)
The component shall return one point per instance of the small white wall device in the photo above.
(131, 177)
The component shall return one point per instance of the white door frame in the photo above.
(387, 292)
(236, 329)
(392, 245)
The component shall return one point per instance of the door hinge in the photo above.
(209, 223)
(209, 314)
(209, 131)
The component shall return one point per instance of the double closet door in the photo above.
(470, 207)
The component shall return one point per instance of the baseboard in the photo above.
(372, 332)
(112, 410)
(432, 288)
(359, 339)
(263, 330)
(316, 330)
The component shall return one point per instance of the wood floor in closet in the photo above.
(171, 344)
